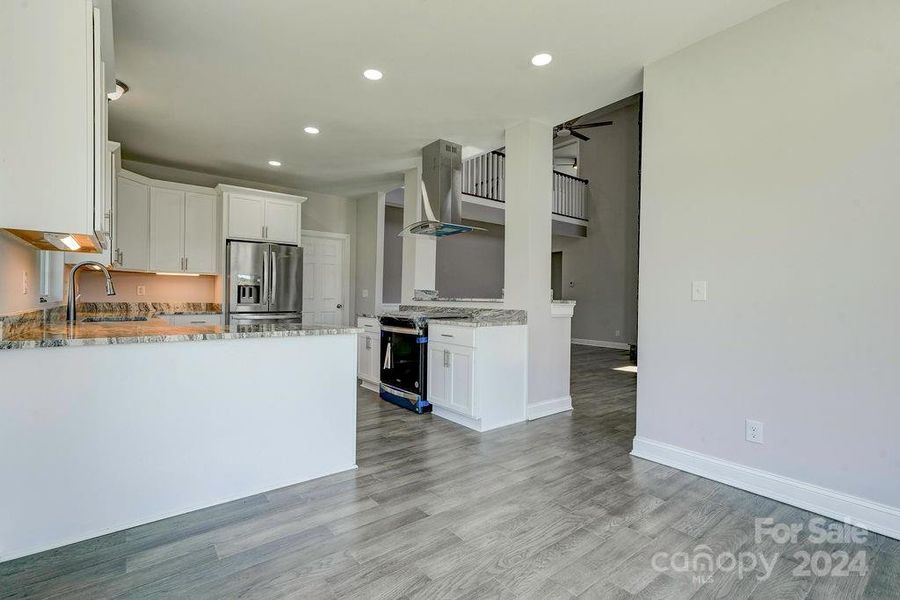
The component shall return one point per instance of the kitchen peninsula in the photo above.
(107, 425)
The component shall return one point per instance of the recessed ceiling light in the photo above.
(542, 59)
(373, 74)
(311, 130)
(121, 88)
(275, 163)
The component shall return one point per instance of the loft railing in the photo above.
(570, 196)
(483, 176)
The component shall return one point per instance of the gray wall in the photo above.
(604, 266)
(773, 176)
(470, 265)
(393, 254)
(366, 252)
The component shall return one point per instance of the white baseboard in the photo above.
(455, 417)
(868, 514)
(601, 344)
(369, 385)
(548, 407)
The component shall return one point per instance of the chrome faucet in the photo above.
(110, 288)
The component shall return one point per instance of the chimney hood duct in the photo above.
(441, 184)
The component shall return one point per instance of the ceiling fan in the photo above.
(570, 128)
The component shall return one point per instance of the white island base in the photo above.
(95, 439)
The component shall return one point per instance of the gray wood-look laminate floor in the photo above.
(551, 509)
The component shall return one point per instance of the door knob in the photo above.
(340, 306)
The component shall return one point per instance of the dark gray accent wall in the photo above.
(470, 265)
(393, 255)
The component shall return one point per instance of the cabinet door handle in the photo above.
(446, 359)
(185, 263)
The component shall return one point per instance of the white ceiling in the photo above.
(222, 86)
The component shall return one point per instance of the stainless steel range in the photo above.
(404, 358)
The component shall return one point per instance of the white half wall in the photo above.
(122, 435)
(770, 170)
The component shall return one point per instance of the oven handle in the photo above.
(391, 329)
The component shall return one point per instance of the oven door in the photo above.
(403, 359)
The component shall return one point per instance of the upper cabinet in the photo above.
(132, 223)
(53, 187)
(260, 215)
(165, 227)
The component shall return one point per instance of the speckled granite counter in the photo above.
(468, 317)
(33, 332)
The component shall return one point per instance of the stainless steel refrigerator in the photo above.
(264, 282)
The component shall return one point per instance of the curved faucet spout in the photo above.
(71, 315)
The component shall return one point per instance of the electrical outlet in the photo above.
(618, 333)
(141, 290)
(698, 291)
(25, 283)
(365, 293)
(754, 431)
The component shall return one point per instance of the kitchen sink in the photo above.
(112, 319)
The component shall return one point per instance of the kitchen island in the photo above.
(110, 425)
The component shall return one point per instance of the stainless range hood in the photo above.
(441, 184)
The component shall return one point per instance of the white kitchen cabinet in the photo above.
(182, 231)
(111, 159)
(260, 215)
(247, 217)
(476, 375)
(200, 232)
(132, 224)
(369, 353)
(52, 43)
(166, 230)
(283, 221)
(164, 227)
(451, 377)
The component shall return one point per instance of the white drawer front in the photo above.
(194, 319)
(369, 324)
(448, 334)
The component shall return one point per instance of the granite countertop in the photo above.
(468, 317)
(59, 333)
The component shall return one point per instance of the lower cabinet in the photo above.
(476, 376)
(369, 353)
(451, 378)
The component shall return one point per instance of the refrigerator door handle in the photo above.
(266, 283)
(274, 272)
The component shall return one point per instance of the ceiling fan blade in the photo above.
(580, 136)
(586, 125)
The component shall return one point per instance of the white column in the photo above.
(529, 221)
(419, 252)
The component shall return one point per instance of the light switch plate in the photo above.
(141, 290)
(698, 291)
(365, 293)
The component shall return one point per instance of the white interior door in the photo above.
(323, 277)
